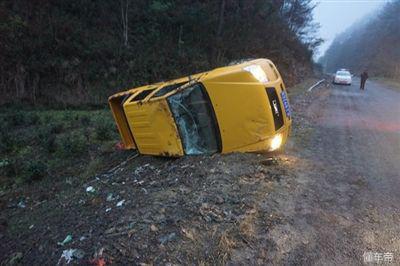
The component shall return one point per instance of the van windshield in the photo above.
(195, 120)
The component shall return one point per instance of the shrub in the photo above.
(8, 142)
(32, 118)
(47, 139)
(72, 144)
(47, 118)
(104, 130)
(34, 170)
(56, 128)
(16, 118)
(6, 168)
(49, 143)
(67, 116)
(85, 120)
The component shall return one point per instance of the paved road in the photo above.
(346, 200)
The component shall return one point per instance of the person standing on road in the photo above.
(364, 77)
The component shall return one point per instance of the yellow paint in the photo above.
(240, 102)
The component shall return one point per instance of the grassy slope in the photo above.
(36, 145)
(172, 195)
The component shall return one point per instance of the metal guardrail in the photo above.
(316, 84)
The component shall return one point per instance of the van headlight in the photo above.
(276, 142)
(257, 72)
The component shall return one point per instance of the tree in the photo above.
(81, 51)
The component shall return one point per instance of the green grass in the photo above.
(37, 144)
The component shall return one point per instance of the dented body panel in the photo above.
(236, 108)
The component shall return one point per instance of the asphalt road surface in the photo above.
(345, 204)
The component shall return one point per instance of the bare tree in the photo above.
(125, 23)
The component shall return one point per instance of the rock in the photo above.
(188, 233)
(219, 199)
(153, 228)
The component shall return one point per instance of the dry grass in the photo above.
(247, 225)
(226, 244)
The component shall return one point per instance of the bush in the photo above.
(72, 144)
(85, 120)
(47, 139)
(56, 128)
(31, 119)
(8, 142)
(6, 168)
(34, 170)
(67, 116)
(16, 118)
(50, 144)
(104, 130)
(47, 118)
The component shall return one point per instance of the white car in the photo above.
(342, 77)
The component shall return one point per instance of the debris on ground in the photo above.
(78, 254)
(69, 254)
(153, 228)
(15, 258)
(66, 256)
(67, 239)
(98, 259)
(120, 203)
(21, 204)
(90, 189)
(167, 238)
(98, 262)
(111, 197)
(176, 204)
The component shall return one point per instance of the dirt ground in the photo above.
(329, 197)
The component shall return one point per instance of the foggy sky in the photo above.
(336, 15)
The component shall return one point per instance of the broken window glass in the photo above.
(195, 120)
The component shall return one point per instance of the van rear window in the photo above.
(142, 95)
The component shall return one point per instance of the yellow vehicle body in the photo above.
(242, 108)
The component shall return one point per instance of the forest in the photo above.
(78, 52)
(372, 44)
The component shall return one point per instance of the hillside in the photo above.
(79, 52)
(372, 44)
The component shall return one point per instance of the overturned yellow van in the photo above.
(238, 108)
